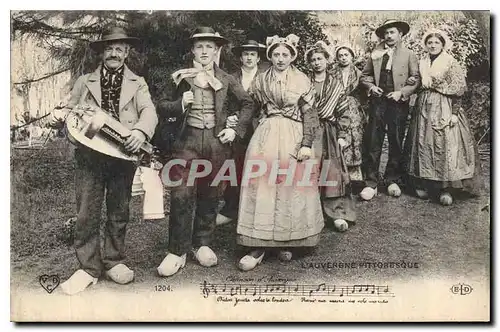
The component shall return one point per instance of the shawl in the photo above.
(444, 75)
(353, 80)
(284, 93)
(332, 101)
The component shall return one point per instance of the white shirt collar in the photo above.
(209, 67)
(247, 77)
(249, 73)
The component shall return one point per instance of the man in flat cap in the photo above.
(117, 90)
(201, 112)
(390, 76)
(249, 54)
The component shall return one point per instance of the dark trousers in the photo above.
(386, 116)
(232, 193)
(193, 209)
(97, 177)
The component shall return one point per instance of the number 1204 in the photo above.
(163, 288)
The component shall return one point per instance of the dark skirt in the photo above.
(336, 200)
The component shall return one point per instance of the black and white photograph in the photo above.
(250, 165)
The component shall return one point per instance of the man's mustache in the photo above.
(113, 58)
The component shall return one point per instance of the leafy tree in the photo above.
(467, 34)
(164, 36)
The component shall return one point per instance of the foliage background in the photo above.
(469, 31)
(66, 35)
(165, 37)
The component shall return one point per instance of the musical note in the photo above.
(206, 291)
(234, 290)
(364, 289)
(214, 289)
(317, 290)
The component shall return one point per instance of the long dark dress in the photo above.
(442, 155)
(355, 131)
(333, 110)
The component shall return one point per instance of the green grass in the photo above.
(444, 241)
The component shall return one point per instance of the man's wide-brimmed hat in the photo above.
(208, 33)
(114, 34)
(250, 45)
(403, 26)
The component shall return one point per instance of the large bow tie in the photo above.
(203, 76)
(112, 77)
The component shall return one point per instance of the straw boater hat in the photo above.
(114, 34)
(249, 45)
(291, 41)
(403, 26)
(208, 33)
(320, 46)
(448, 44)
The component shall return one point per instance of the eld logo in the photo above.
(461, 289)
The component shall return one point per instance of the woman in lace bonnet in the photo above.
(442, 156)
(278, 212)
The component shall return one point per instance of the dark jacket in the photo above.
(404, 65)
(260, 69)
(173, 119)
(237, 75)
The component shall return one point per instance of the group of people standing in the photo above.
(273, 112)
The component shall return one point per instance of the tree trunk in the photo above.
(26, 97)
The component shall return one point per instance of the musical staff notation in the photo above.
(309, 290)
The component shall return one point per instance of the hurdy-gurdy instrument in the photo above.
(99, 131)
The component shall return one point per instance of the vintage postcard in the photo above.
(322, 166)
